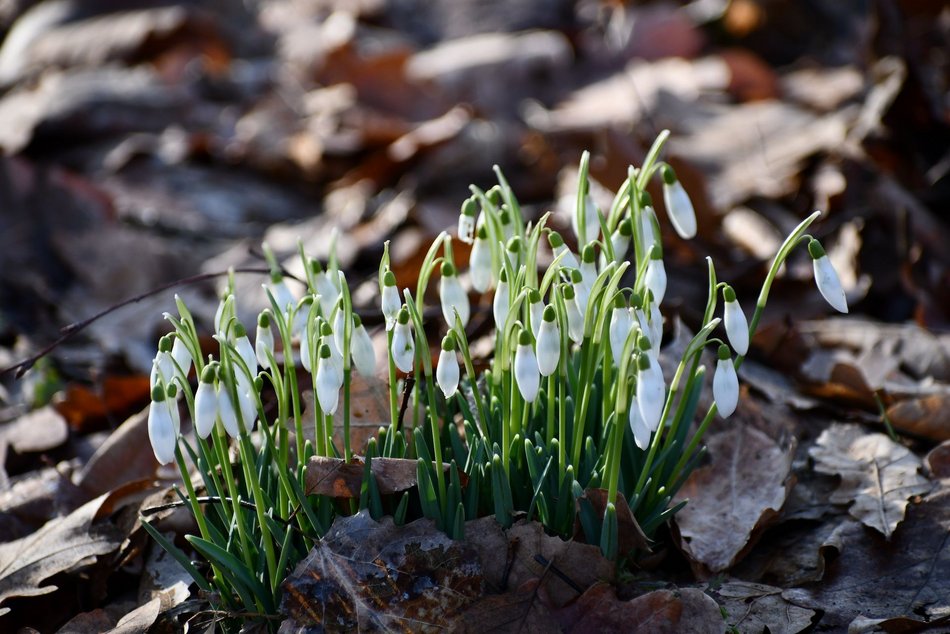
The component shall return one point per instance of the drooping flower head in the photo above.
(467, 220)
(678, 205)
(163, 425)
(453, 297)
(656, 274)
(548, 346)
(568, 261)
(206, 401)
(737, 328)
(447, 370)
(404, 346)
(527, 374)
(361, 349)
(480, 261)
(391, 302)
(826, 278)
(725, 383)
(264, 339)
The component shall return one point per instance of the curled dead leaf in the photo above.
(878, 476)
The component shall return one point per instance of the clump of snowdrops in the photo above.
(574, 396)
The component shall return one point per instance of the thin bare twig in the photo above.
(74, 328)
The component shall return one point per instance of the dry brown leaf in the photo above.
(938, 460)
(734, 497)
(125, 456)
(40, 430)
(368, 575)
(927, 416)
(753, 608)
(522, 610)
(63, 544)
(901, 582)
(877, 474)
(661, 611)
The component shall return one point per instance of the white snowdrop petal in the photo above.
(651, 394)
(548, 348)
(181, 355)
(328, 392)
(480, 265)
(737, 328)
(206, 409)
(161, 431)
(404, 348)
(527, 375)
(453, 299)
(363, 352)
(575, 321)
(620, 325)
(680, 210)
(447, 373)
(500, 305)
(641, 433)
(725, 387)
(227, 412)
(391, 303)
(656, 279)
(829, 285)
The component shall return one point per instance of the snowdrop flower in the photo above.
(206, 401)
(467, 221)
(725, 383)
(678, 205)
(641, 433)
(479, 261)
(390, 299)
(453, 296)
(501, 303)
(620, 324)
(361, 349)
(227, 412)
(548, 343)
(282, 294)
(588, 267)
(558, 247)
(404, 346)
(327, 291)
(827, 278)
(575, 318)
(651, 393)
(591, 217)
(163, 367)
(246, 351)
(535, 310)
(581, 290)
(328, 381)
(264, 340)
(527, 374)
(181, 355)
(620, 242)
(655, 276)
(447, 370)
(163, 425)
(737, 328)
